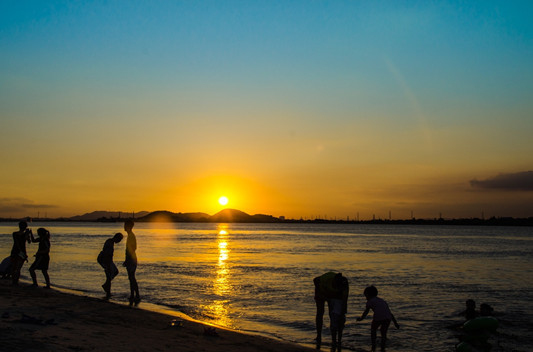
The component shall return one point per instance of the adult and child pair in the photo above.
(333, 288)
(19, 255)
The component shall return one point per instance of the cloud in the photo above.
(15, 205)
(519, 181)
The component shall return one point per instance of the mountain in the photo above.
(226, 215)
(233, 215)
(102, 214)
(167, 216)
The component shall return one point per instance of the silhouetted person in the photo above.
(5, 268)
(331, 286)
(131, 262)
(42, 256)
(382, 316)
(485, 310)
(470, 311)
(18, 252)
(105, 259)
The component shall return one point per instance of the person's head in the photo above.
(42, 232)
(23, 225)
(370, 292)
(470, 304)
(128, 225)
(485, 309)
(118, 237)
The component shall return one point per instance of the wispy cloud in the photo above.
(13, 205)
(519, 181)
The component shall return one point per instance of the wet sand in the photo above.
(39, 319)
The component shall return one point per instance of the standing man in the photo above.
(330, 286)
(131, 262)
(18, 252)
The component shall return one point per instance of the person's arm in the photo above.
(33, 239)
(394, 321)
(345, 300)
(365, 313)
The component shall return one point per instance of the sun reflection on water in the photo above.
(219, 309)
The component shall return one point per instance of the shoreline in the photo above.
(39, 319)
(492, 221)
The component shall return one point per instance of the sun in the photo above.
(223, 200)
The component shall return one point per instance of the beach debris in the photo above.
(176, 323)
(26, 319)
(210, 331)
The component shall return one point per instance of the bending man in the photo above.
(327, 287)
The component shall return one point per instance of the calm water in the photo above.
(258, 277)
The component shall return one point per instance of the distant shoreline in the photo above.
(506, 221)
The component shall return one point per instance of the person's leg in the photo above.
(341, 328)
(320, 305)
(32, 271)
(33, 276)
(131, 278)
(320, 308)
(46, 278)
(373, 333)
(384, 328)
(134, 287)
(107, 284)
(16, 263)
(333, 339)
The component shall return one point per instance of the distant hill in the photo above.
(226, 215)
(233, 215)
(167, 216)
(102, 214)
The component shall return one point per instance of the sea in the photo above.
(258, 278)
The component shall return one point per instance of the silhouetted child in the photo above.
(18, 252)
(382, 316)
(105, 259)
(42, 256)
(470, 311)
(485, 310)
(5, 268)
(337, 318)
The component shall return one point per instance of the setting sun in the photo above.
(223, 200)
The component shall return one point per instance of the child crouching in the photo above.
(382, 316)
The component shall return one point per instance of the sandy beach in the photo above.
(39, 319)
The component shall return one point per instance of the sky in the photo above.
(303, 109)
